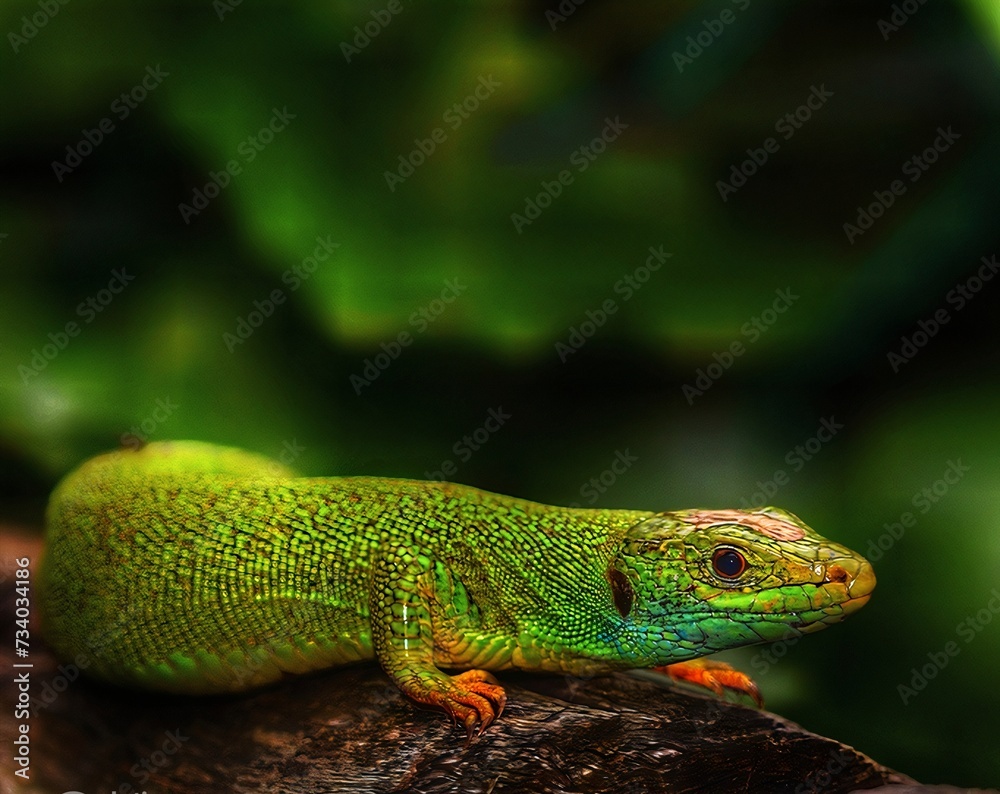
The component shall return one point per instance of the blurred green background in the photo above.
(380, 148)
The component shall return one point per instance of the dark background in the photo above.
(155, 360)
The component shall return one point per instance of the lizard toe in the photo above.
(473, 698)
(474, 711)
(484, 684)
(716, 676)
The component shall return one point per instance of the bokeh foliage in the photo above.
(163, 337)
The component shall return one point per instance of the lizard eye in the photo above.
(728, 563)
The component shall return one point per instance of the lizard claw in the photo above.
(717, 676)
(473, 698)
(484, 696)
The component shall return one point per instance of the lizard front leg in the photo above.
(716, 676)
(402, 634)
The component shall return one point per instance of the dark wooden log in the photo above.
(351, 730)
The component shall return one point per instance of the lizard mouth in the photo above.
(849, 582)
(852, 605)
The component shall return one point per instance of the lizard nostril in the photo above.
(837, 573)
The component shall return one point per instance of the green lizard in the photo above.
(192, 568)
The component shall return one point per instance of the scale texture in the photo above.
(193, 568)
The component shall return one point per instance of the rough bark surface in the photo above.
(350, 730)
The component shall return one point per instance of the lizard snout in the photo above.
(857, 577)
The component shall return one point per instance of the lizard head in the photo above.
(699, 581)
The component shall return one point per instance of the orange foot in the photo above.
(474, 698)
(717, 676)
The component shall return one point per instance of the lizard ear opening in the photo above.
(621, 589)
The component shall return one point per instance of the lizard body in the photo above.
(193, 568)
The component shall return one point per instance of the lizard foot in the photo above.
(717, 676)
(474, 698)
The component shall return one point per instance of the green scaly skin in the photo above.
(193, 568)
